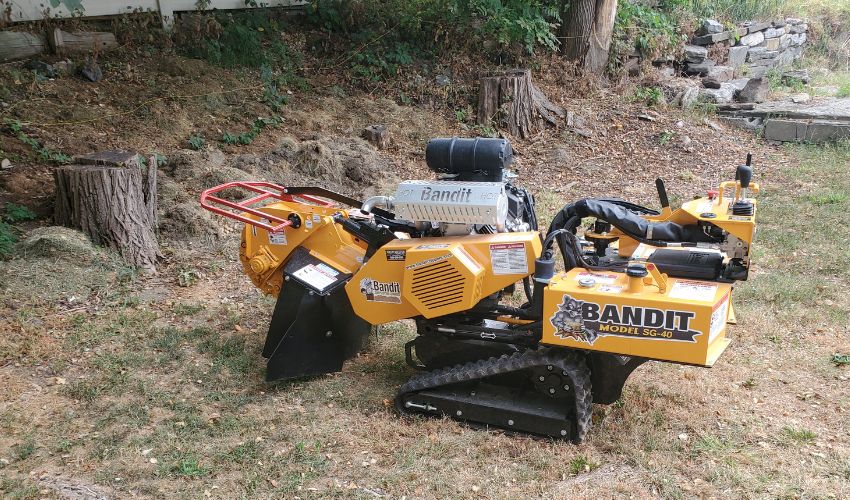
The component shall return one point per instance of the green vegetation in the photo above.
(246, 138)
(196, 142)
(44, 153)
(841, 359)
(8, 233)
(800, 435)
(581, 464)
(651, 31)
(650, 96)
(733, 10)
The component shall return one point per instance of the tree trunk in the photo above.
(600, 38)
(577, 29)
(114, 205)
(511, 101)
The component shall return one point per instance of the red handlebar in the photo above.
(264, 190)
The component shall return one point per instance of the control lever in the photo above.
(662, 197)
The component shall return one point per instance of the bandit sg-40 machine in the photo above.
(502, 338)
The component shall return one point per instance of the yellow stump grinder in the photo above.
(502, 338)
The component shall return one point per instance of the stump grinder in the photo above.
(503, 339)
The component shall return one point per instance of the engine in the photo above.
(472, 196)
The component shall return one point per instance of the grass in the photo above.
(798, 435)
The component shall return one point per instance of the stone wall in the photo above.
(750, 50)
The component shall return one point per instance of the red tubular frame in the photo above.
(209, 202)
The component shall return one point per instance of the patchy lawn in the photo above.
(117, 384)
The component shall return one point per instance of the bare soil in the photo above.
(117, 384)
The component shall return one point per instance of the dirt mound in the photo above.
(59, 242)
(345, 164)
(348, 165)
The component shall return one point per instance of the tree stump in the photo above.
(378, 135)
(115, 205)
(512, 101)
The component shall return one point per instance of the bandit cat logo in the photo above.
(380, 291)
(585, 321)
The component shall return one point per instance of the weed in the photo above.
(63, 446)
(43, 152)
(650, 96)
(17, 489)
(246, 138)
(196, 142)
(84, 391)
(581, 464)
(841, 359)
(843, 91)
(24, 450)
(665, 137)
(187, 277)
(750, 383)
(8, 238)
(17, 213)
(801, 435)
(185, 465)
(462, 114)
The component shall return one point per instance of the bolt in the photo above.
(459, 413)
(566, 387)
(311, 292)
(541, 378)
(564, 372)
(549, 367)
(510, 422)
(552, 390)
(286, 278)
(563, 432)
(472, 393)
(329, 333)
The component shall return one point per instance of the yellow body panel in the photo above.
(691, 212)
(262, 253)
(623, 315)
(436, 276)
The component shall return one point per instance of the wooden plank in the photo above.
(33, 10)
(64, 42)
(20, 45)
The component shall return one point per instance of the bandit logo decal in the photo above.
(380, 291)
(585, 321)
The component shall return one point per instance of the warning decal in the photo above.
(718, 318)
(315, 276)
(693, 290)
(508, 258)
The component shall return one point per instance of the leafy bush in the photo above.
(649, 31)
(386, 36)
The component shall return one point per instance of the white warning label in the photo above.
(278, 238)
(508, 258)
(610, 289)
(718, 318)
(315, 276)
(693, 290)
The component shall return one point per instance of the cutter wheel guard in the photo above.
(504, 338)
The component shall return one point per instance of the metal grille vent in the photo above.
(438, 285)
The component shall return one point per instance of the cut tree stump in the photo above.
(114, 203)
(378, 135)
(511, 100)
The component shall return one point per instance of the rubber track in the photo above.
(565, 361)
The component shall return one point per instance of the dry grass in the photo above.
(141, 386)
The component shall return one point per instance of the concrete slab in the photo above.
(824, 131)
(785, 130)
